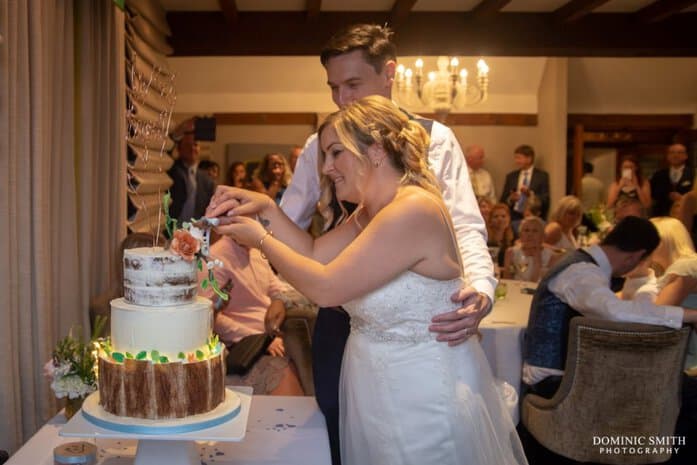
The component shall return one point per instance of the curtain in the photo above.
(59, 189)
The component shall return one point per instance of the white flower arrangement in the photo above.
(72, 368)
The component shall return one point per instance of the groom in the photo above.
(361, 61)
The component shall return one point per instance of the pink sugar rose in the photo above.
(184, 245)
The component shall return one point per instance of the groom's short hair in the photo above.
(633, 234)
(374, 41)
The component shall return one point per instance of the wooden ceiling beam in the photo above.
(662, 9)
(313, 8)
(229, 9)
(576, 9)
(488, 8)
(400, 11)
(433, 33)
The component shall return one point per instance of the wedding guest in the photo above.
(391, 283)
(237, 175)
(272, 176)
(499, 231)
(482, 183)
(192, 188)
(293, 156)
(676, 259)
(361, 61)
(525, 182)
(211, 168)
(529, 259)
(668, 185)
(255, 305)
(579, 285)
(560, 233)
(592, 188)
(485, 207)
(629, 184)
(628, 207)
(687, 212)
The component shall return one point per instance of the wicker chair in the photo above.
(621, 380)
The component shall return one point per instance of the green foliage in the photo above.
(79, 355)
(141, 355)
(118, 356)
(200, 355)
(170, 223)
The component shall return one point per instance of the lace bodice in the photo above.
(402, 309)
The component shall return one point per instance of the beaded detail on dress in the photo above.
(401, 318)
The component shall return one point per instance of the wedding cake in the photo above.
(161, 361)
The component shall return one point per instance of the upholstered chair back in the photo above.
(621, 383)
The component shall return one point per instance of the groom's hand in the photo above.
(457, 326)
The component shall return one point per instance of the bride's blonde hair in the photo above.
(376, 120)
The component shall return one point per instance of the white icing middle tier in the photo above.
(169, 330)
(155, 276)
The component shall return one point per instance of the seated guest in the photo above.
(237, 175)
(560, 233)
(677, 285)
(687, 212)
(529, 259)
(485, 206)
(499, 231)
(211, 168)
(272, 176)
(579, 285)
(254, 301)
(533, 207)
(628, 207)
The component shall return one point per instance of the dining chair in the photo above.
(621, 383)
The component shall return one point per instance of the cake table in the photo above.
(168, 442)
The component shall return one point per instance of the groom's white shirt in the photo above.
(447, 162)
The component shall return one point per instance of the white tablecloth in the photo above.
(502, 332)
(281, 430)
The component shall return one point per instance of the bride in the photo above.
(392, 264)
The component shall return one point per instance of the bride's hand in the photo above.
(233, 201)
(244, 230)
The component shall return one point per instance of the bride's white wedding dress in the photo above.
(408, 399)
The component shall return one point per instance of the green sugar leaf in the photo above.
(154, 356)
(199, 355)
(129, 355)
(199, 262)
(118, 356)
(141, 355)
(181, 355)
(204, 283)
(164, 359)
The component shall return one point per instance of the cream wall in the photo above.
(552, 126)
(547, 87)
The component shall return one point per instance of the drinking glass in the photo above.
(501, 290)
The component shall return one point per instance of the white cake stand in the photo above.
(166, 442)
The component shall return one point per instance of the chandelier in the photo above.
(445, 89)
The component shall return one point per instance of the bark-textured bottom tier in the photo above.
(142, 389)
